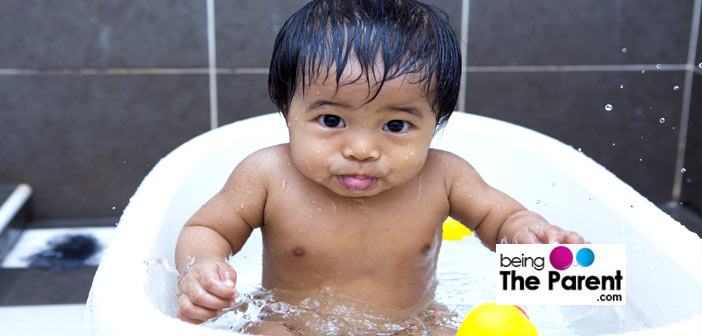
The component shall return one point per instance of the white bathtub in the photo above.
(664, 265)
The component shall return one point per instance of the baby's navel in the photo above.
(298, 251)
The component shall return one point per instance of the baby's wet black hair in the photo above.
(404, 36)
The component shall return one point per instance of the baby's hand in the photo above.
(530, 228)
(546, 234)
(206, 289)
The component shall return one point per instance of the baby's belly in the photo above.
(399, 284)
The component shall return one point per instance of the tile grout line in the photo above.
(686, 103)
(263, 71)
(465, 11)
(212, 60)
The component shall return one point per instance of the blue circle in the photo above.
(585, 257)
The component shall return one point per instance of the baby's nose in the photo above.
(361, 149)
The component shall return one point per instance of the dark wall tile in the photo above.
(84, 143)
(692, 177)
(547, 32)
(103, 33)
(243, 96)
(629, 140)
(246, 30)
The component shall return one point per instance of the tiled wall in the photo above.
(94, 92)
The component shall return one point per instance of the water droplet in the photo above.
(643, 71)
(241, 205)
(113, 208)
(318, 150)
(538, 201)
(282, 185)
(613, 144)
(580, 149)
(641, 160)
(681, 170)
(676, 88)
(624, 50)
(699, 65)
(658, 66)
(661, 120)
(406, 158)
(621, 86)
(609, 107)
(689, 180)
(319, 209)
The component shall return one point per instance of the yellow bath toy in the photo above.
(454, 230)
(490, 319)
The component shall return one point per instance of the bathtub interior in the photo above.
(134, 290)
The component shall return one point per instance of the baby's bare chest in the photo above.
(306, 229)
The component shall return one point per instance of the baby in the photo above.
(353, 205)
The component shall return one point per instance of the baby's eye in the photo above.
(397, 126)
(331, 121)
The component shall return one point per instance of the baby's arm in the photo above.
(493, 215)
(218, 229)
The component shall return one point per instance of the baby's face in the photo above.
(357, 148)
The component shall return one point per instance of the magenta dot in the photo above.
(561, 258)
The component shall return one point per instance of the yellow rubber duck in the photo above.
(490, 319)
(454, 230)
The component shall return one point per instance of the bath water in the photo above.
(466, 278)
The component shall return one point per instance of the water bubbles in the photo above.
(661, 120)
(683, 170)
(624, 50)
(609, 107)
(658, 66)
(676, 88)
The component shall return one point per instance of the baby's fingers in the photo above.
(219, 281)
(525, 237)
(571, 237)
(190, 312)
(201, 297)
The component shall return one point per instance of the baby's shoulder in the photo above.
(264, 161)
(268, 156)
(442, 158)
(449, 164)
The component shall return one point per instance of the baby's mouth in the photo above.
(357, 182)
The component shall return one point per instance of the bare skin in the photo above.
(353, 205)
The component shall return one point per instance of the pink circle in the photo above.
(561, 258)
